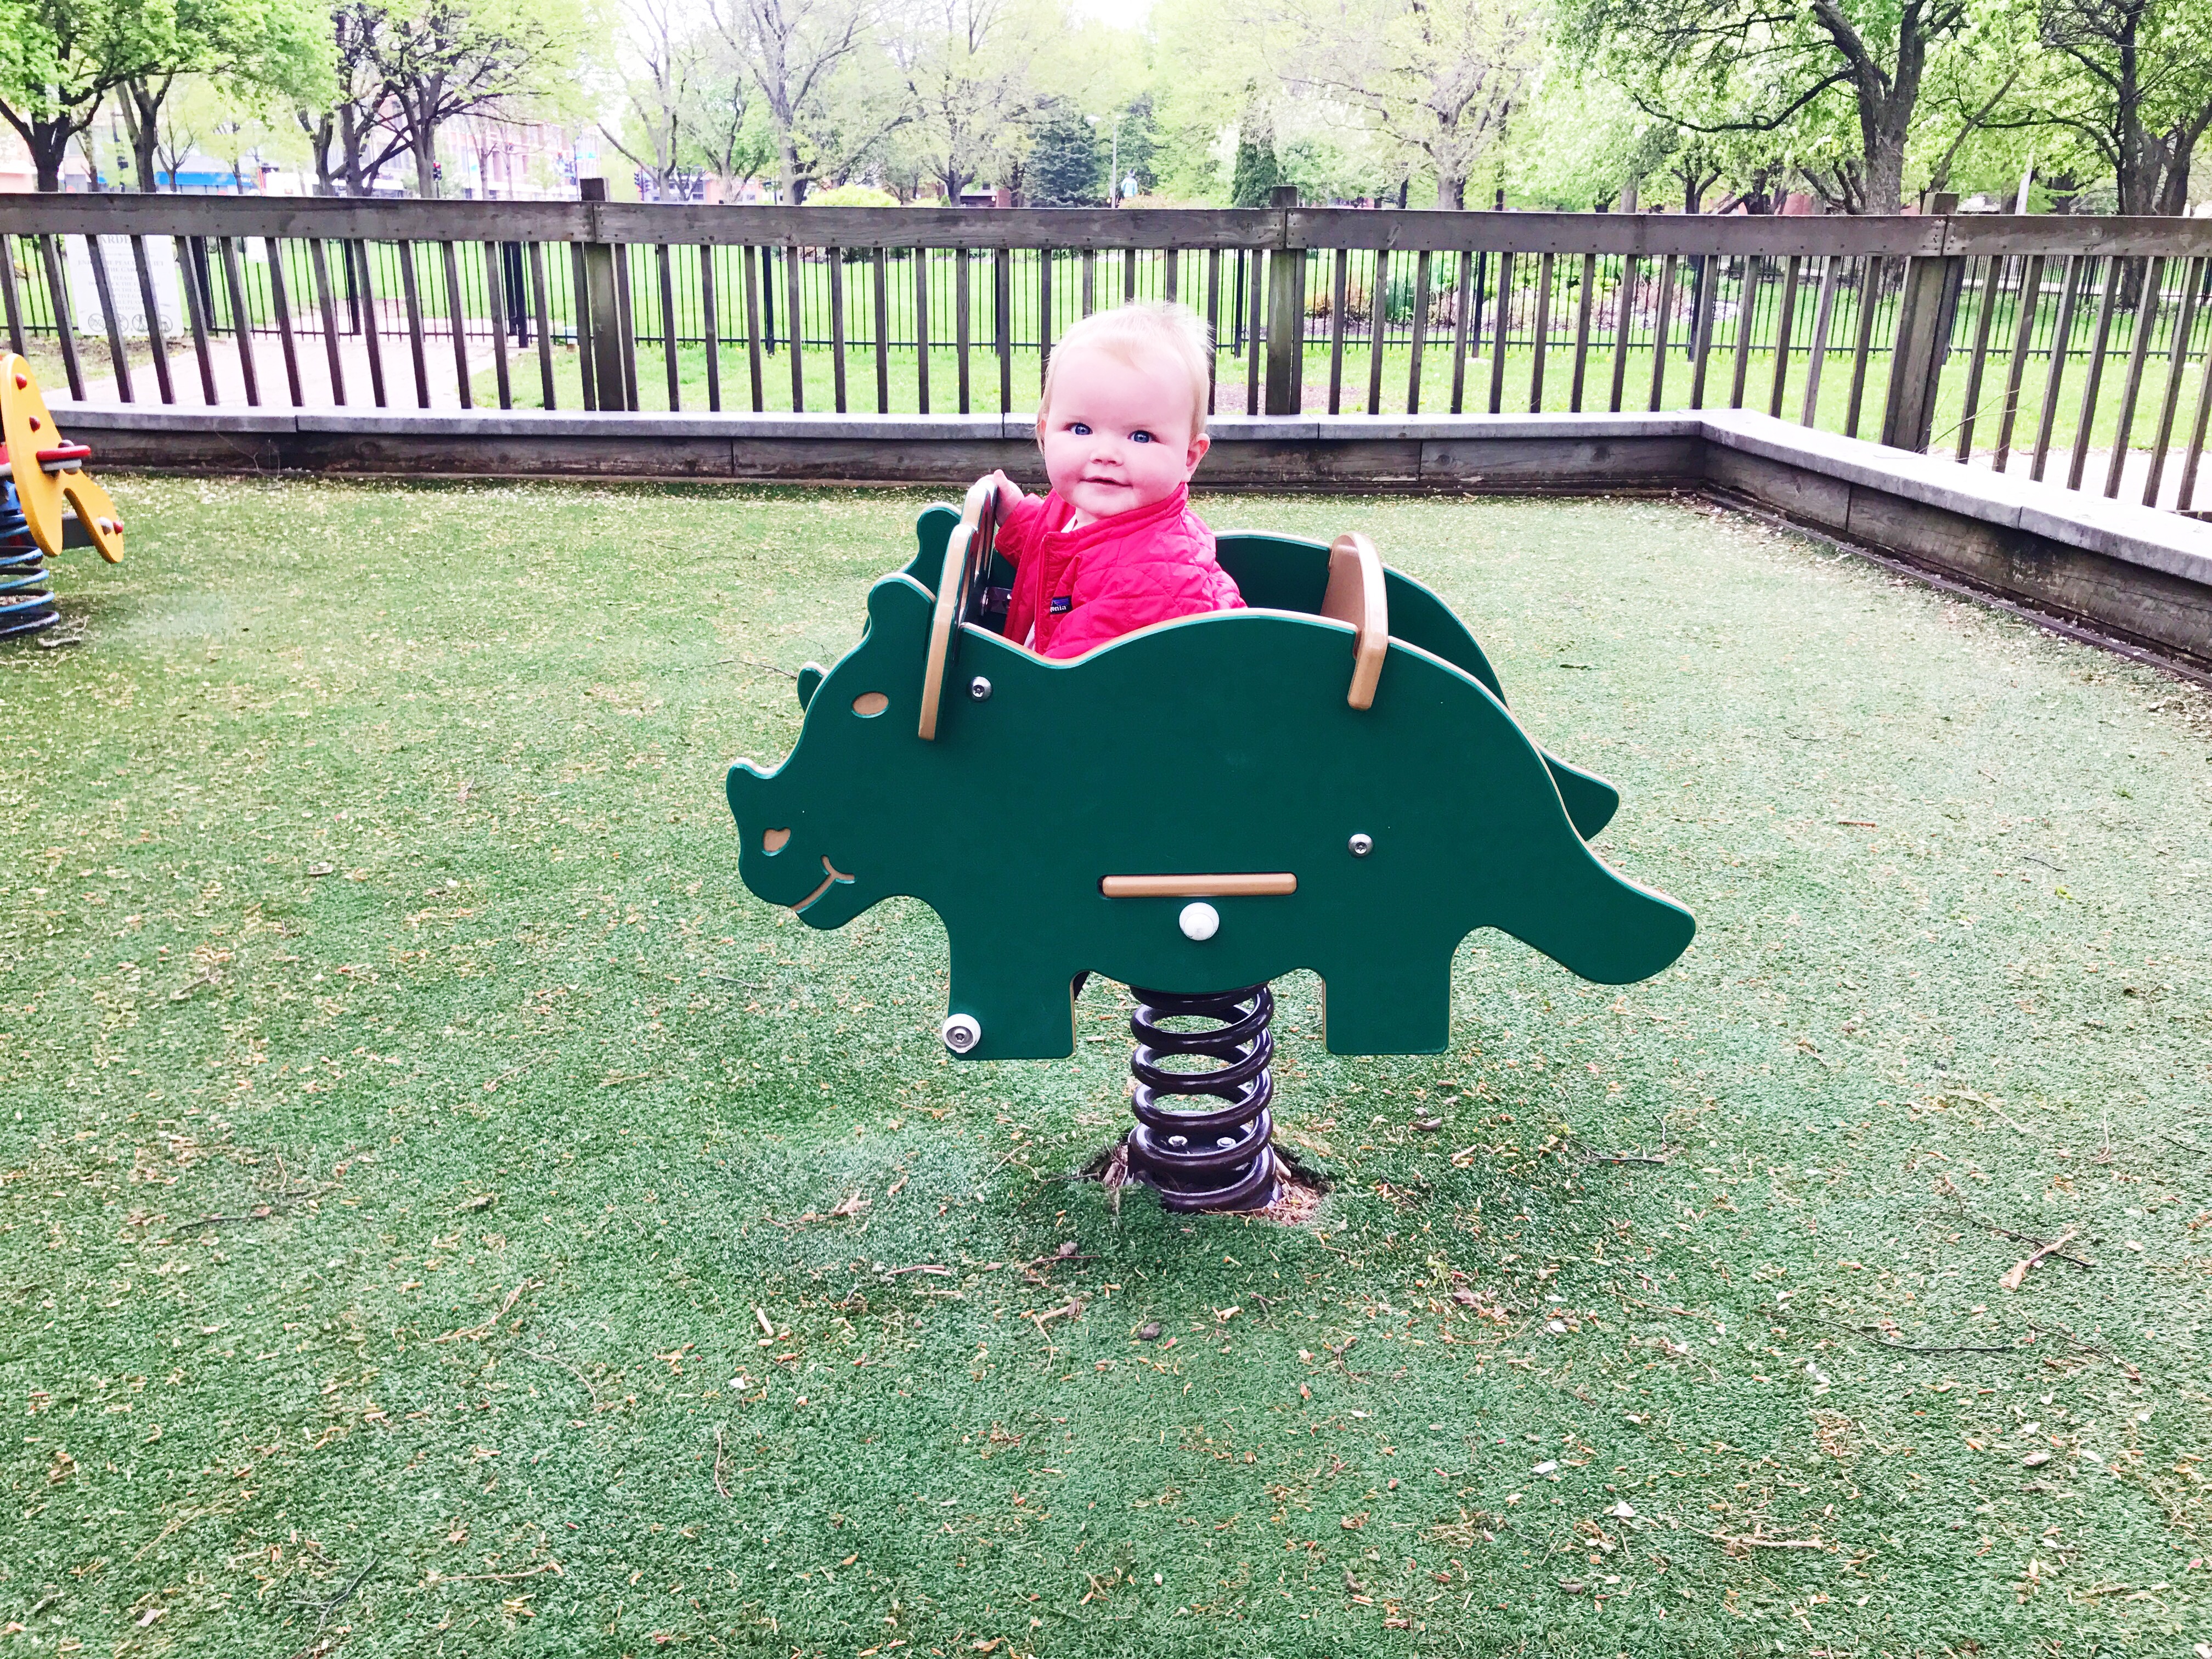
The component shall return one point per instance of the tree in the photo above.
(1970, 134)
(662, 69)
(1068, 163)
(1759, 65)
(279, 47)
(1439, 79)
(1252, 181)
(732, 140)
(966, 67)
(438, 59)
(60, 58)
(1584, 141)
(56, 65)
(352, 122)
(1139, 137)
(803, 55)
(2137, 90)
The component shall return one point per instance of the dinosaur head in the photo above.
(815, 830)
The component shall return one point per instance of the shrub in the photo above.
(852, 195)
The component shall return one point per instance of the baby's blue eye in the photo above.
(1079, 429)
(1140, 437)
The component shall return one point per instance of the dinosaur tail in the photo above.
(1605, 928)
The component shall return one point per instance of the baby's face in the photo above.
(1119, 437)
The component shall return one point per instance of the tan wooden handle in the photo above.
(963, 559)
(1258, 883)
(1356, 595)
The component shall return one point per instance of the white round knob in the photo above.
(1199, 920)
(961, 1033)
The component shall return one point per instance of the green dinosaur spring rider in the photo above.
(1329, 778)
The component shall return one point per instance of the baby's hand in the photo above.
(1009, 493)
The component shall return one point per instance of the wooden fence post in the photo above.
(1286, 312)
(1924, 312)
(608, 356)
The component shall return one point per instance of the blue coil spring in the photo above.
(27, 599)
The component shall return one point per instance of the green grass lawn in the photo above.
(423, 1160)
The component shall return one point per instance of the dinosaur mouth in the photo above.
(832, 877)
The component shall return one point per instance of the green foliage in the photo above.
(1325, 169)
(443, 59)
(1838, 86)
(1140, 144)
(1255, 175)
(1068, 163)
(851, 196)
(2134, 86)
(60, 58)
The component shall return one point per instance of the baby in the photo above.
(1114, 546)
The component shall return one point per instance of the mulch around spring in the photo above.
(441, 1213)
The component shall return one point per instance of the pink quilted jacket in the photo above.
(1076, 589)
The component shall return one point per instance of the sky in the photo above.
(1119, 14)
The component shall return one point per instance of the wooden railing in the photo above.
(2048, 339)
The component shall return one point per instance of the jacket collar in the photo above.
(1166, 510)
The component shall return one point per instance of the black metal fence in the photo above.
(2037, 342)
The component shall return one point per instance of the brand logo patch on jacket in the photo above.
(1063, 603)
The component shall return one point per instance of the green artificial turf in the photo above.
(428, 1175)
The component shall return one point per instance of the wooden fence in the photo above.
(2046, 340)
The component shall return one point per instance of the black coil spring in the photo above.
(1221, 1158)
(27, 599)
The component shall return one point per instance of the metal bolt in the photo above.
(962, 1033)
(980, 689)
(1361, 845)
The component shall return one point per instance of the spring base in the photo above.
(27, 600)
(1220, 1158)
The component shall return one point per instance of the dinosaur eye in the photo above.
(775, 841)
(869, 704)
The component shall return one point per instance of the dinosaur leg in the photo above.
(1390, 1004)
(1024, 1001)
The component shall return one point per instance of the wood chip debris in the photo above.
(478, 1332)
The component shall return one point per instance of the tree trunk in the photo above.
(319, 138)
(1451, 190)
(145, 158)
(1882, 188)
(2173, 198)
(142, 118)
(1886, 102)
(48, 142)
(2141, 162)
(48, 157)
(350, 142)
(787, 157)
(425, 145)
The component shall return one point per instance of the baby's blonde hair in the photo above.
(1142, 325)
